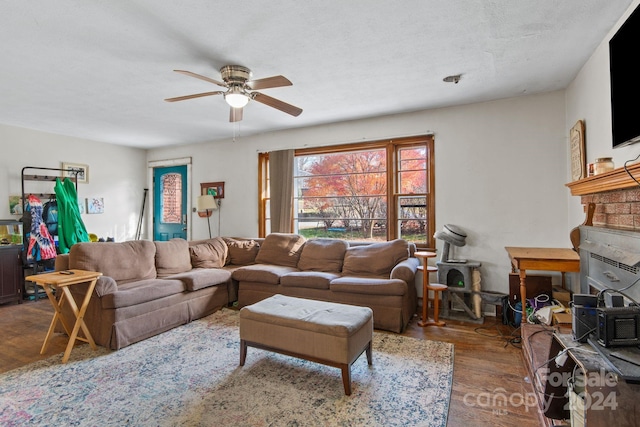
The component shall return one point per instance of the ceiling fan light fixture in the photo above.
(236, 98)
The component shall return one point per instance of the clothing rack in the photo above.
(34, 173)
(44, 177)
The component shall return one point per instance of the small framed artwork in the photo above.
(95, 205)
(578, 160)
(15, 205)
(216, 189)
(76, 169)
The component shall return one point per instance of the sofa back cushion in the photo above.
(375, 260)
(210, 253)
(281, 249)
(241, 251)
(172, 257)
(123, 261)
(323, 255)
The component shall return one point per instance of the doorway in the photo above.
(170, 190)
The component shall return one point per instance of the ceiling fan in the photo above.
(239, 87)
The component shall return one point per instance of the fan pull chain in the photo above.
(236, 130)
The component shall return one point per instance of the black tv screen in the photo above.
(625, 82)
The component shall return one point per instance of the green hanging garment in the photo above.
(71, 229)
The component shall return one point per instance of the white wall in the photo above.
(588, 98)
(116, 174)
(500, 173)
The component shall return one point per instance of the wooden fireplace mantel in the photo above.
(617, 179)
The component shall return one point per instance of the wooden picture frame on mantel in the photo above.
(578, 159)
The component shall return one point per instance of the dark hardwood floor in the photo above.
(488, 368)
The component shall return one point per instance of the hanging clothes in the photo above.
(50, 216)
(71, 228)
(41, 244)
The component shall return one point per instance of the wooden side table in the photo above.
(545, 259)
(426, 287)
(62, 281)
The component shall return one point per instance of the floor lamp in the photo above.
(207, 203)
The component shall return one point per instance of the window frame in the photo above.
(392, 147)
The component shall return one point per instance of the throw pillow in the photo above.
(377, 259)
(323, 255)
(209, 254)
(281, 249)
(241, 252)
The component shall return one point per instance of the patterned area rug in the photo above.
(190, 376)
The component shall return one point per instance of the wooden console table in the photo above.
(62, 280)
(545, 259)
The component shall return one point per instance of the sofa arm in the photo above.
(62, 262)
(405, 270)
(104, 286)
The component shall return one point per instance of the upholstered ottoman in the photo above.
(323, 332)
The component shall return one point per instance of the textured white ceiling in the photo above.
(101, 69)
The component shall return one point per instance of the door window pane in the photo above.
(171, 200)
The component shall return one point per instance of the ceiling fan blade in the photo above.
(235, 114)
(275, 81)
(198, 76)
(197, 95)
(276, 103)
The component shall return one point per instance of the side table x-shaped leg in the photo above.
(62, 281)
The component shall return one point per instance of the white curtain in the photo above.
(281, 190)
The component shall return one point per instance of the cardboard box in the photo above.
(561, 318)
(562, 295)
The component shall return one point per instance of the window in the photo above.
(371, 191)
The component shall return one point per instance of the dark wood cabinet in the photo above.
(11, 274)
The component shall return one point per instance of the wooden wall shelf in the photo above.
(617, 179)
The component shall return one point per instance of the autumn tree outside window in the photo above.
(372, 191)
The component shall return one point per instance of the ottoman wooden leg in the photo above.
(346, 378)
(243, 352)
(369, 354)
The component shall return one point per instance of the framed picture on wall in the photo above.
(95, 205)
(216, 189)
(76, 169)
(576, 141)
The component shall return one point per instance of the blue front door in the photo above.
(170, 202)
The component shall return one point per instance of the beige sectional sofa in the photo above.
(150, 287)
(146, 288)
(378, 275)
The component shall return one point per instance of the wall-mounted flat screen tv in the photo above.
(624, 47)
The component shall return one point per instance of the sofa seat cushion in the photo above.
(134, 293)
(281, 249)
(262, 273)
(172, 257)
(200, 278)
(375, 260)
(323, 255)
(368, 285)
(125, 262)
(308, 279)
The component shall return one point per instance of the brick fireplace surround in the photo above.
(616, 195)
